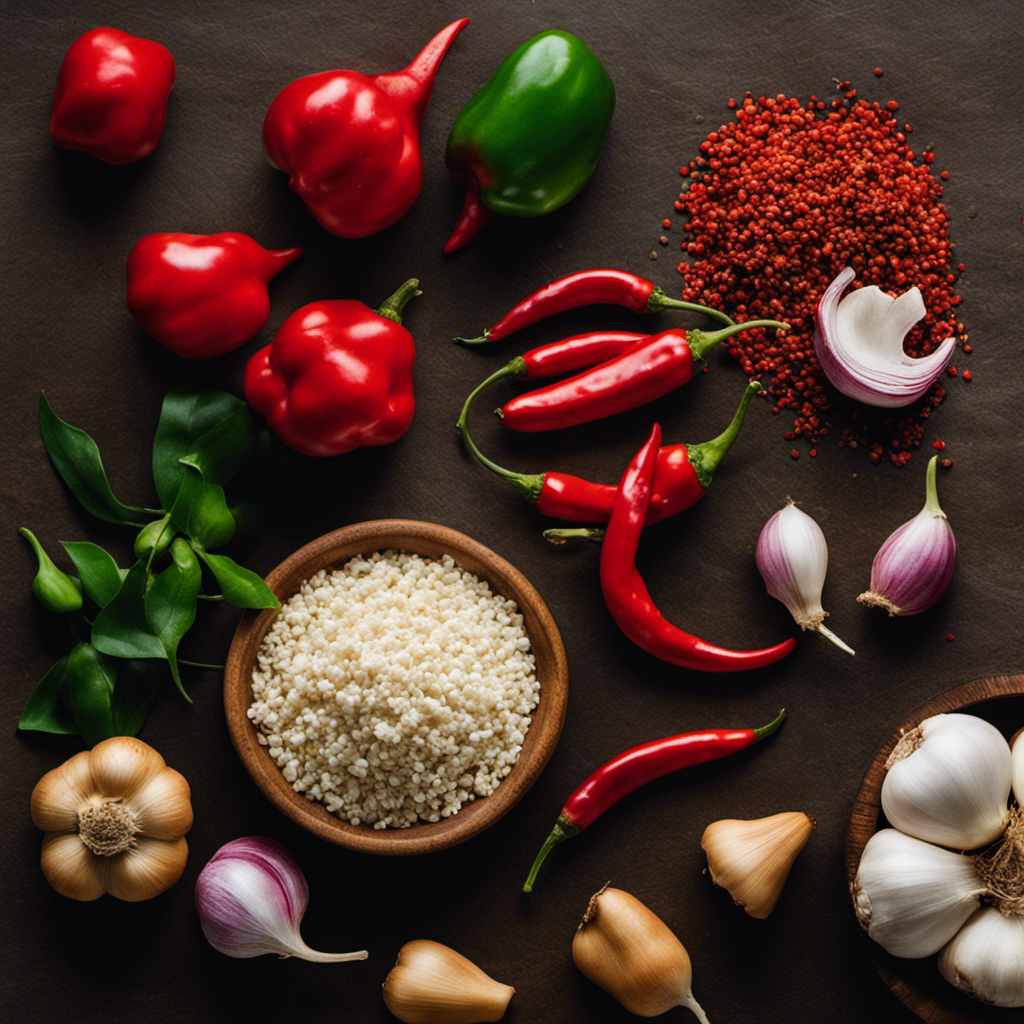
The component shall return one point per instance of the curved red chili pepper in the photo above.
(682, 475)
(202, 295)
(637, 766)
(627, 598)
(644, 372)
(111, 98)
(588, 288)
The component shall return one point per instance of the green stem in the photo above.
(564, 829)
(705, 457)
(391, 308)
(201, 664)
(210, 597)
(931, 490)
(562, 536)
(701, 343)
(767, 730)
(659, 300)
(527, 484)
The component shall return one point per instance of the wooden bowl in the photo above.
(429, 540)
(917, 983)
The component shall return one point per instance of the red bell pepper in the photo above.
(351, 142)
(111, 98)
(202, 295)
(337, 376)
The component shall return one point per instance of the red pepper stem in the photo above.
(529, 485)
(659, 300)
(772, 726)
(558, 537)
(564, 829)
(705, 457)
(391, 308)
(701, 343)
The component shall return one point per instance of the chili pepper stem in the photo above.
(702, 343)
(559, 537)
(772, 726)
(659, 300)
(706, 457)
(527, 484)
(391, 308)
(564, 829)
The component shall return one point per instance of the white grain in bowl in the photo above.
(394, 689)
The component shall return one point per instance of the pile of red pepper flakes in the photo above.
(779, 202)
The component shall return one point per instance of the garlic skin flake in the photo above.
(914, 567)
(986, 958)
(751, 860)
(792, 558)
(859, 342)
(948, 782)
(432, 984)
(912, 897)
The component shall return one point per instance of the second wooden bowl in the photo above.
(431, 541)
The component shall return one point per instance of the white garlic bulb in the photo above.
(912, 897)
(1017, 756)
(948, 782)
(986, 958)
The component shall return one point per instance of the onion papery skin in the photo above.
(859, 342)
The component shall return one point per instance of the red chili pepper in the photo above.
(588, 288)
(337, 376)
(682, 476)
(634, 768)
(202, 295)
(642, 373)
(111, 98)
(351, 142)
(627, 598)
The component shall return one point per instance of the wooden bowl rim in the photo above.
(957, 1008)
(433, 541)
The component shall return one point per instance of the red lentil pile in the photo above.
(779, 202)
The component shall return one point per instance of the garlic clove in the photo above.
(626, 949)
(912, 897)
(1017, 761)
(751, 860)
(985, 958)
(163, 806)
(72, 869)
(60, 793)
(122, 765)
(433, 984)
(149, 868)
(948, 782)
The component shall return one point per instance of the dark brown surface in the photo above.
(918, 983)
(432, 541)
(68, 224)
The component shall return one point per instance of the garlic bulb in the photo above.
(634, 956)
(912, 897)
(792, 558)
(115, 818)
(859, 342)
(948, 781)
(251, 897)
(432, 984)
(751, 860)
(986, 958)
(914, 567)
(1017, 760)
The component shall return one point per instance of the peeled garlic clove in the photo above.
(432, 984)
(912, 897)
(752, 859)
(948, 782)
(859, 342)
(985, 958)
(634, 956)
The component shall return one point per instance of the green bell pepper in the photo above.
(529, 140)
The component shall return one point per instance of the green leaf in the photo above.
(44, 709)
(221, 452)
(201, 511)
(171, 603)
(240, 586)
(138, 684)
(98, 571)
(77, 459)
(121, 628)
(187, 414)
(86, 689)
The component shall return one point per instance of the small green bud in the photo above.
(154, 539)
(53, 589)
